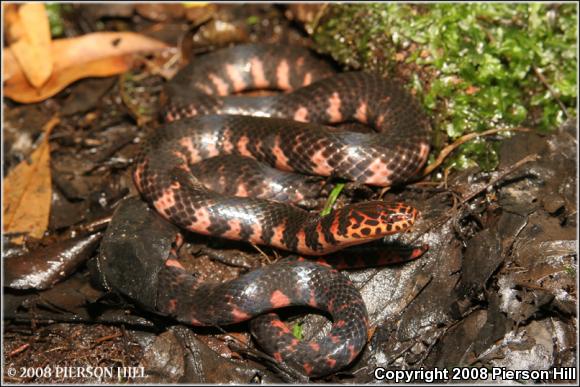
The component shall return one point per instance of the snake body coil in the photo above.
(212, 135)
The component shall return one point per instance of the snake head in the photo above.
(397, 217)
(372, 220)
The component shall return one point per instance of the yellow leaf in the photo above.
(99, 54)
(190, 4)
(28, 191)
(33, 49)
(12, 24)
(104, 67)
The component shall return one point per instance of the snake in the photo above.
(233, 165)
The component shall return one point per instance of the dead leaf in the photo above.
(160, 12)
(23, 92)
(28, 191)
(32, 50)
(194, 4)
(199, 13)
(99, 54)
(12, 25)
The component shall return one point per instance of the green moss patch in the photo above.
(474, 66)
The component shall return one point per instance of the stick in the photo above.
(462, 140)
(551, 90)
(503, 174)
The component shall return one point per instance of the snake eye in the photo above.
(399, 217)
(372, 220)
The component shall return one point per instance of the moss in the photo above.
(571, 271)
(474, 66)
(54, 12)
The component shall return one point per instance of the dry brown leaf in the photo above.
(160, 12)
(27, 191)
(99, 54)
(12, 25)
(33, 62)
(33, 49)
(196, 4)
(35, 21)
(23, 92)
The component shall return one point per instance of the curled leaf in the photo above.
(99, 54)
(32, 50)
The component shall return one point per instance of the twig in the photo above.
(108, 337)
(288, 373)
(18, 350)
(317, 18)
(502, 175)
(551, 90)
(438, 222)
(255, 246)
(463, 139)
(90, 227)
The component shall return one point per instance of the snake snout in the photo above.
(399, 217)
(372, 220)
